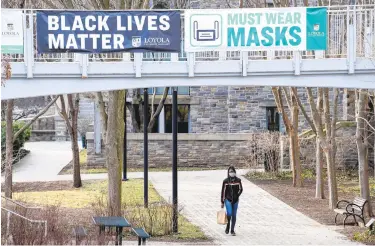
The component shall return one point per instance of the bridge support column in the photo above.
(138, 64)
(222, 55)
(297, 63)
(174, 57)
(245, 62)
(369, 42)
(29, 45)
(271, 55)
(351, 39)
(191, 63)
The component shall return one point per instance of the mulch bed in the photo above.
(316, 209)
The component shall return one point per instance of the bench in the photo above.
(351, 209)
(141, 234)
(79, 233)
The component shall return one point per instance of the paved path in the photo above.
(45, 160)
(262, 218)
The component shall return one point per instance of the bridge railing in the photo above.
(350, 28)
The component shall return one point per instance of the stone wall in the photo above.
(43, 129)
(194, 150)
(220, 150)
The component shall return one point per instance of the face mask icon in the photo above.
(206, 34)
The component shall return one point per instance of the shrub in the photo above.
(265, 150)
(18, 143)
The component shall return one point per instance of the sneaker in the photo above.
(233, 233)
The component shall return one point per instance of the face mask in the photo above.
(232, 175)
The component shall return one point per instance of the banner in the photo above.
(107, 31)
(11, 31)
(256, 29)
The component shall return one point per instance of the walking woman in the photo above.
(230, 193)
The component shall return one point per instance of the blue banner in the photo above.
(107, 31)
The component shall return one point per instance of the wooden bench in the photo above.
(351, 209)
(79, 233)
(141, 234)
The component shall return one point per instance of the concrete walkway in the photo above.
(262, 218)
(45, 160)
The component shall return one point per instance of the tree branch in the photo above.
(64, 114)
(43, 111)
(307, 117)
(278, 99)
(158, 110)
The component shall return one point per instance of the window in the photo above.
(273, 119)
(182, 90)
(183, 112)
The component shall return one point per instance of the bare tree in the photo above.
(327, 140)
(362, 145)
(70, 116)
(319, 185)
(9, 149)
(291, 125)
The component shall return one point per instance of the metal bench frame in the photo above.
(141, 240)
(352, 210)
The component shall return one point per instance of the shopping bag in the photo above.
(221, 217)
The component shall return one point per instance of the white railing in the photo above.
(9, 213)
(342, 20)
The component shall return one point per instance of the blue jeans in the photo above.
(231, 213)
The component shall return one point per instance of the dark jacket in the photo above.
(231, 189)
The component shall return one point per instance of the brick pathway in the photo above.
(262, 219)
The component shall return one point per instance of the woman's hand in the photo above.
(222, 205)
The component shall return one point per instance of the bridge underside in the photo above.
(63, 85)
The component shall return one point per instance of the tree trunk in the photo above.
(330, 150)
(291, 129)
(295, 145)
(120, 128)
(361, 146)
(9, 149)
(332, 186)
(114, 177)
(77, 182)
(103, 114)
(73, 108)
(319, 191)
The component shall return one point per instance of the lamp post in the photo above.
(145, 147)
(174, 161)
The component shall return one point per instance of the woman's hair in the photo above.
(231, 168)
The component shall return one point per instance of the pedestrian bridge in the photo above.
(349, 62)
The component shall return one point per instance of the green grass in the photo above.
(132, 194)
(367, 237)
(83, 157)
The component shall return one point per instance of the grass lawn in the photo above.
(303, 198)
(85, 170)
(85, 198)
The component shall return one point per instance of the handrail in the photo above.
(19, 204)
(160, 10)
(23, 217)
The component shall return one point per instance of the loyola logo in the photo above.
(136, 41)
(316, 32)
